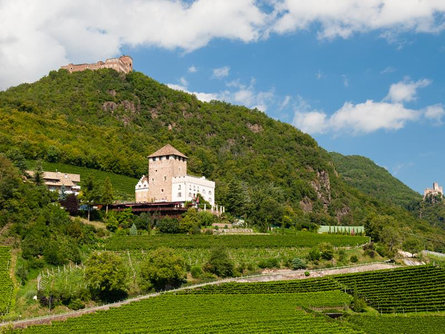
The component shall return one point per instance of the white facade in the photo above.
(436, 190)
(185, 188)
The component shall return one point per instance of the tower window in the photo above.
(165, 178)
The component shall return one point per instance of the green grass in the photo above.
(299, 239)
(277, 313)
(400, 324)
(122, 185)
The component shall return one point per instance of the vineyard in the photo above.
(399, 324)
(299, 239)
(411, 289)
(298, 286)
(248, 313)
(6, 286)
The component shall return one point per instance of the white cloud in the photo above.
(345, 80)
(405, 91)
(435, 113)
(388, 69)
(41, 35)
(37, 36)
(285, 102)
(346, 17)
(192, 69)
(221, 72)
(369, 116)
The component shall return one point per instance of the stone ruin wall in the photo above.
(122, 64)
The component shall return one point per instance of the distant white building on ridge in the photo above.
(435, 190)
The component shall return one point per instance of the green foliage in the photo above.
(270, 263)
(299, 239)
(162, 270)
(354, 259)
(133, 230)
(220, 263)
(168, 225)
(326, 250)
(106, 276)
(297, 263)
(314, 254)
(412, 245)
(196, 271)
(6, 286)
(363, 174)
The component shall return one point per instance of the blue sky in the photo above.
(361, 77)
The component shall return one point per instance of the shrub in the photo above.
(307, 273)
(297, 263)
(133, 230)
(196, 271)
(220, 263)
(314, 254)
(163, 269)
(269, 263)
(354, 259)
(327, 251)
(168, 225)
(76, 304)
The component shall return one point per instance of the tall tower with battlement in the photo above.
(164, 165)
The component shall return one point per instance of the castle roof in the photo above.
(167, 150)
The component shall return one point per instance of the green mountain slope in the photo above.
(266, 170)
(362, 173)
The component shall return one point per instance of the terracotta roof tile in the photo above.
(167, 150)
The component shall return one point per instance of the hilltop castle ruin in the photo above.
(122, 64)
(436, 190)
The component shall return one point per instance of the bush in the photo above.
(297, 263)
(269, 263)
(163, 269)
(196, 271)
(327, 251)
(168, 225)
(354, 259)
(220, 263)
(307, 273)
(76, 304)
(314, 254)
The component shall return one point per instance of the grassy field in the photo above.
(123, 185)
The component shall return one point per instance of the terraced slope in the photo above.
(298, 286)
(279, 313)
(411, 289)
(400, 324)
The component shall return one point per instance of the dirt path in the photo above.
(276, 275)
(287, 274)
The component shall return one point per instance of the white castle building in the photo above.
(167, 180)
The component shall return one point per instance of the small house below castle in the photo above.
(167, 180)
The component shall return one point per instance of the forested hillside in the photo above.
(265, 170)
(362, 173)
